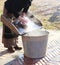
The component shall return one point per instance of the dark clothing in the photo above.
(15, 6)
(7, 33)
(9, 38)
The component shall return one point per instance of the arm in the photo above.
(25, 9)
(27, 5)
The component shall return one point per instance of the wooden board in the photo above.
(9, 24)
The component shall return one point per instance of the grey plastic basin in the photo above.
(35, 43)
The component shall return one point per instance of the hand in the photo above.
(23, 14)
(22, 20)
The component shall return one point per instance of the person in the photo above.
(18, 9)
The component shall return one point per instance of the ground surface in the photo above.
(17, 58)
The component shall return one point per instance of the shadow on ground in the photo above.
(3, 52)
(22, 60)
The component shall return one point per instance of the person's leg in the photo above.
(16, 46)
(9, 43)
(9, 38)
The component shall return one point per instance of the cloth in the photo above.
(27, 27)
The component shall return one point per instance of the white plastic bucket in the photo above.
(35, 43)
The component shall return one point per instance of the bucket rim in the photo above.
(27, 34)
